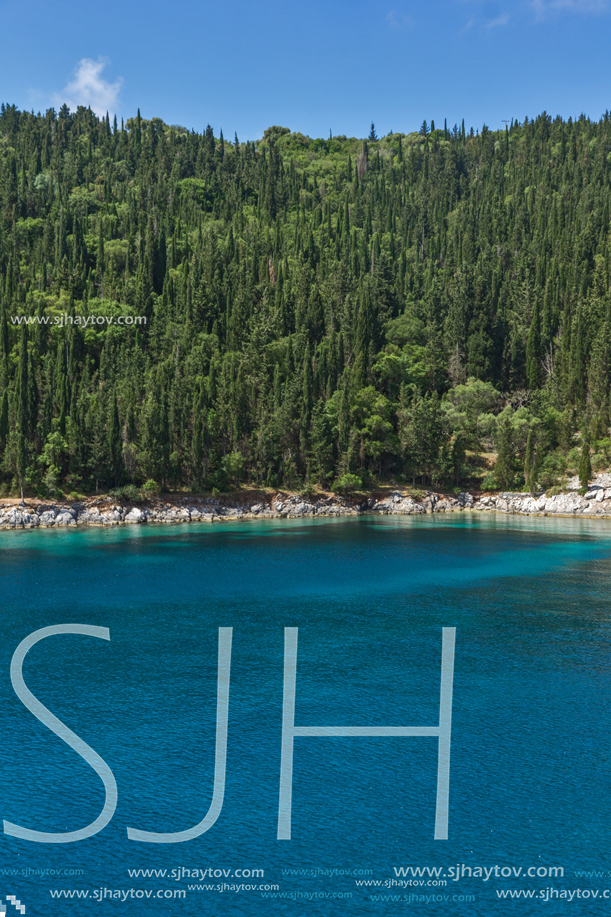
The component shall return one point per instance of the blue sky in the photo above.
(315, 67)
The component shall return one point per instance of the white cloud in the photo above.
(88, 88)
(543, 7)
(477, 23)
(500, 21)
(399, 20)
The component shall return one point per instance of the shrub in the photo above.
(572, 460)
(488, 482)
(552, 468)
(150, 488)
(585, 464)
(289, 474)
(233, 466)
(348, 483)
(600, 462)
(128, 494)
(603, 446)
(217, 483)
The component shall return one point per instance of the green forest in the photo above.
(181, 312)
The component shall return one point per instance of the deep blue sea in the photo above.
(530, 755)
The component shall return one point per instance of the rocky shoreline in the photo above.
(180, 509)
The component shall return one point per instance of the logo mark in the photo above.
(15, 902)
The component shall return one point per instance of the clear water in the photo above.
(530, 599)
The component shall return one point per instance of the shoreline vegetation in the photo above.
(248, 503)
(194, 314)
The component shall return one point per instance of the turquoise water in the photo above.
(530, 766)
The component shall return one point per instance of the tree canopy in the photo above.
(308, 309)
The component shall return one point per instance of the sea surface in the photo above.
(530, 756)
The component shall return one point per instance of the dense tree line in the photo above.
(298, 310)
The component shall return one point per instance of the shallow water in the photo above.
(530, 762)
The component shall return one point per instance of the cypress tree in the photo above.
(363, 340)
(197, 440)
(22, 405)
(115, 443)
(22, 417)
(21, 463)
(504, 467)
(585, 464)
(4, 420)
(531, 464)
(315, 317)
(533, 350)
(308, 384)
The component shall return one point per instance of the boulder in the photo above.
(111, 518)
(135, 516)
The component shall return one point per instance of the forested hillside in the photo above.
(294, 311)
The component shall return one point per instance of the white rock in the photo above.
(111, 518)
(135, 516)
